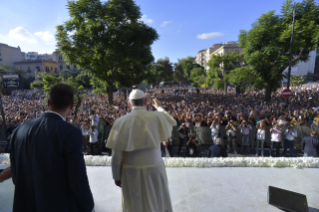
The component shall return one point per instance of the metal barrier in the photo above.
(203, 134)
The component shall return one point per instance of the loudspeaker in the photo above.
(287, 200)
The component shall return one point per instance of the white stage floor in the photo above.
(204, 189)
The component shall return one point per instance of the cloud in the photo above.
(164, 24)
(21, 34)
(45, 36)
(41, 42)
(146, 20)
(211, 35)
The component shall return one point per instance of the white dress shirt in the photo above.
(93, 136)
(291, 135)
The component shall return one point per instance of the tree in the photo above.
(188, 64)
(165, 70)
(83, 79)
(219, 66)
(38, 85)
(65, 74)
(267, 43)
(245, 78)
(178, 75)
(48, 81)
(198, 77)
(104, 38)
(297, 80)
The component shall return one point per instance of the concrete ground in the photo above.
(204, 189)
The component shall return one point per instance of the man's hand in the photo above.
(118, 183)
(165, 143)
(156, 103)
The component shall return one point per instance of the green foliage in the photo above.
(296, 80)
(48, 81)
(245, 78)
(178, 75)
(220, 66)
(107, 39)
(267, 43)
(100, 86)
(83, 79)
(4, 68)
(165, 70)
(65, 74)
(38, 85)
(188, 64)
(198, 76)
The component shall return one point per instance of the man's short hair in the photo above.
(219, 141)
(61, 96)
(138, 102)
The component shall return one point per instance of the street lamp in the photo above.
(290, 56)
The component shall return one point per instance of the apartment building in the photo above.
(9, 55)
(200, 58)
(61, 64)
(33, 66)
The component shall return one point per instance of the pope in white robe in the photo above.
(137, 165)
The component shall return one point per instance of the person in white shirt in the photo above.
(93, 133)
(275, 138)
(84, 129)
(137, 165)
(95, 119)
(244, 130)
(260, 138)
(215, 130)
(291, 134)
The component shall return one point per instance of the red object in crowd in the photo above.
(286, 93)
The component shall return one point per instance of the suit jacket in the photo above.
(216, 151)
(310, 145)
(48, 167)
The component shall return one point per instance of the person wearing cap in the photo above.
(137, 165)
(310, 145)
(291, 134)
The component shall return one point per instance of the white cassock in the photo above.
(135, 139)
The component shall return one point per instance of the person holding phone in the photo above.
(291, 134)
(275, 138)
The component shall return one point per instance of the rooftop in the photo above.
(35, 61)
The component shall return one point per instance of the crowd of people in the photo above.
(190, 108)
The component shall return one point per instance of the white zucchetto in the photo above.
(137, 94)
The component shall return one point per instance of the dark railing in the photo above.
(203, 134)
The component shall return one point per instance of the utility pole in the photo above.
(290, 56)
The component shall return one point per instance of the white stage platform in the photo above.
(203, 189)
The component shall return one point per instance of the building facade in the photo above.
(61, 64)
(304, 68)
(9, 55)
(200, 58)
(204, 56)
(33, 66)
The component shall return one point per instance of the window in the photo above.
(68, 67)
(51, 68)
(74, 66)
(29, 68)
(56, 70)
(0, 59)
(61, 68)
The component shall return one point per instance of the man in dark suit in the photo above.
(217, 150)
(310, 145)
(47, 162)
